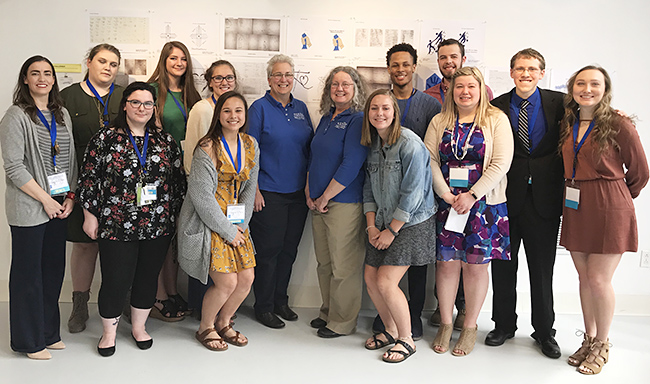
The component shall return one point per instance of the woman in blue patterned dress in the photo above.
(471, 147)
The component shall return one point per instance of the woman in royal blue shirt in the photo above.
(283, 129)
(335, 196)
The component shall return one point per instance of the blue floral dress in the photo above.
(487, 233)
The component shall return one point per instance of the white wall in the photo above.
(570, 34)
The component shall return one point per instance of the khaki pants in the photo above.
(339, 244)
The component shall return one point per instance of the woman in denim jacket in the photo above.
(399, 205)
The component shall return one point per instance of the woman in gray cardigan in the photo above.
(40, 169)
(213, 235)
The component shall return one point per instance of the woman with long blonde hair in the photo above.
(605, 167)
(471, 148)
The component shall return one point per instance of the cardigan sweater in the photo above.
(23, 162)
(499, 149)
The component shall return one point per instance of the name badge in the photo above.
(572, 197)
(146, 195)
(459, 177)
(236, 213)
(58, 183)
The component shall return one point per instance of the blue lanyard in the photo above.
(104, 104)
(142, 156)
(465, 144)
(532, 120)
(179, 105)
(213, 100)
(238, 165)
(576, 149)
(408, 106)
(52, 131)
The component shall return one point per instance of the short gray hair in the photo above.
(279, 58)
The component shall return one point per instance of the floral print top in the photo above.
(108, 181)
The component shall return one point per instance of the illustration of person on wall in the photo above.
(304, 40)
(338, 43)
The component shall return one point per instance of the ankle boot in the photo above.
(79, 315)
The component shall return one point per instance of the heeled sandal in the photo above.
(596, 359)
(181, 304)
(441, 342)
(466, 342)
(169, 312)
(581, 354)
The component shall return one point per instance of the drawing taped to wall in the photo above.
(249, 34)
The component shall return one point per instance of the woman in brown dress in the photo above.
(605, 168)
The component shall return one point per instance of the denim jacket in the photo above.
(398, 181)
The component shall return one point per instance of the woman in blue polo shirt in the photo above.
(335, 196)
(283, 129)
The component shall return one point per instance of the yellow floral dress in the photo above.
(225, 257)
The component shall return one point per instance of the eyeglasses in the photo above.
(531, 70)
(137, 103)
(344, 85)
(279, 76)
(219, 79)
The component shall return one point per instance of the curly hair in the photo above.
(360, 90)
(604, 131)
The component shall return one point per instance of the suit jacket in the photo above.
(543, 164)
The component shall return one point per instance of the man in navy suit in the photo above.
(534, 193)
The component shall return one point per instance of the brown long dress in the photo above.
(605, 221)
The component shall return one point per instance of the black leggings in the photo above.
(130, 264)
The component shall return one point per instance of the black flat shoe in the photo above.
(286, 313)
(269, 319)
(327, 333)
(497, 337)
(378, 325)
(549, 347)
(146, 344)
(105, 352)
(416, 328)
(318, 323)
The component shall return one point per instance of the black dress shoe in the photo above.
(105, 352)
(269, 319)
(318, 323)
(378, 325)
(286, 313)
(146, 344)
(549, 347)
(497, 337)
(327, 333)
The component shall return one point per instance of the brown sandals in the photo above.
(234, 339)
(441, 342)
(204, 339)
(581, 354)
(597, 357)
(466, 342)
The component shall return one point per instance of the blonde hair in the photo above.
(483, 109)
(604, 131)
(369, 132)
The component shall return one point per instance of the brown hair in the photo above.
(528, 53)
(23, 98)
(102, 47)
(369, 132)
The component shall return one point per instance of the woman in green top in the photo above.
(93, 104)
(177, 94)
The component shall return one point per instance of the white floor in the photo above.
(296, 355)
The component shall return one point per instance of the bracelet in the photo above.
(392, 231)
(367, 228)
(70, 195)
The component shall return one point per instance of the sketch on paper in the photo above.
(305, 41)
(199, 35)
(361, 38)
(337, 42)
(376, 37)
(249, 34)
(119, 30)
(135, 67)
(432, 46)
(376, 77)
(302, 78)
(168, 35)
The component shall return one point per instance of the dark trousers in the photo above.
(540, 237)
(276, 231)
(130, 264)
(35, 279)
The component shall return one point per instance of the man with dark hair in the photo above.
(416, 111)
(451, 56)
(534, 195)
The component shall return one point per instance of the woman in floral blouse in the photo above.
(131, 187)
